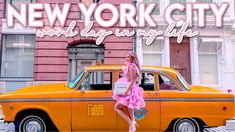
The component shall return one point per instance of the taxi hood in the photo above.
(196, 88)
(43, 88)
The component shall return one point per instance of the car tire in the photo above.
(31, 123)
(186, 125)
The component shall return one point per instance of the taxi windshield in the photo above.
(183, 82)
(73, 83)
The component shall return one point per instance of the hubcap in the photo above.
(186, 127)
(33, 126)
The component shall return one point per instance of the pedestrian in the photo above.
(132, 97)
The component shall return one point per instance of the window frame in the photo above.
(178, 13)
(81, 17)
(234, 9)
(159, 7)
(164, 75)
(4, 55)
(154, 78)
(176, 81)
(86, 73)
(217, 58)
(210, 13)
(140, 79)
(10, 2)
(153, 52)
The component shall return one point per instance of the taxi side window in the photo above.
(97, 80)
(146, 80)
(165, 83)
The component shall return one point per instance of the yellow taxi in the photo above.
(86, 104)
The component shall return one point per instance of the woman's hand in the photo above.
(123, 68)
(125, 93)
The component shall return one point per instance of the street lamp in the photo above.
(134, 28)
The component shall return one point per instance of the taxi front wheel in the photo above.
(31, 123)
(186, 125)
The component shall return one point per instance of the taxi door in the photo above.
(92, 105)
(151, 122)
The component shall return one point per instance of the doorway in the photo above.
(82, 55)
(180, 57)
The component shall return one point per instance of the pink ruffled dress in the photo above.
(135, 99)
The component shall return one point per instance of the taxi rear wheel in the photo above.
(31, 123)
(186, 125)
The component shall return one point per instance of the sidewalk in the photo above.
(217, 129)
(6, 127)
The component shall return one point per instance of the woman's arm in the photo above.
(132, 71)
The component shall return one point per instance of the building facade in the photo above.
(207, 59)
(30, 60)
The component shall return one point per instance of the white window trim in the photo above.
(158, 52)
(147, 52)
(233, 10)
(218, 75)
(3, 78)
(213, 39)
(17, 29)
(208, 53)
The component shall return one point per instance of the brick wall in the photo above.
(51, 56)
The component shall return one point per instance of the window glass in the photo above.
(157, 8)
(208, 69)
(16, 4)
(152, 54)
(75, 81)
(98, 80)
(208, 63)
(147, 81)
(183, 82)
(177, 12)
(165, 83)
(87, 3)
(155, 46)
(208, 47)
(18, 56)
(152, 59)
(208, 12)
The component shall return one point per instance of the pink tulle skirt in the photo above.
(134, 100)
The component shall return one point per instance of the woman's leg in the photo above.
(117, 108)
(132, 126)
(131, 112)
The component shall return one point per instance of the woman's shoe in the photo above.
(132, 127)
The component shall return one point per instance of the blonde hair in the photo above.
(134, 58)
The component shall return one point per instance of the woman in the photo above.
(132, 98)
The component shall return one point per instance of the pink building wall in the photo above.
(51, 55)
